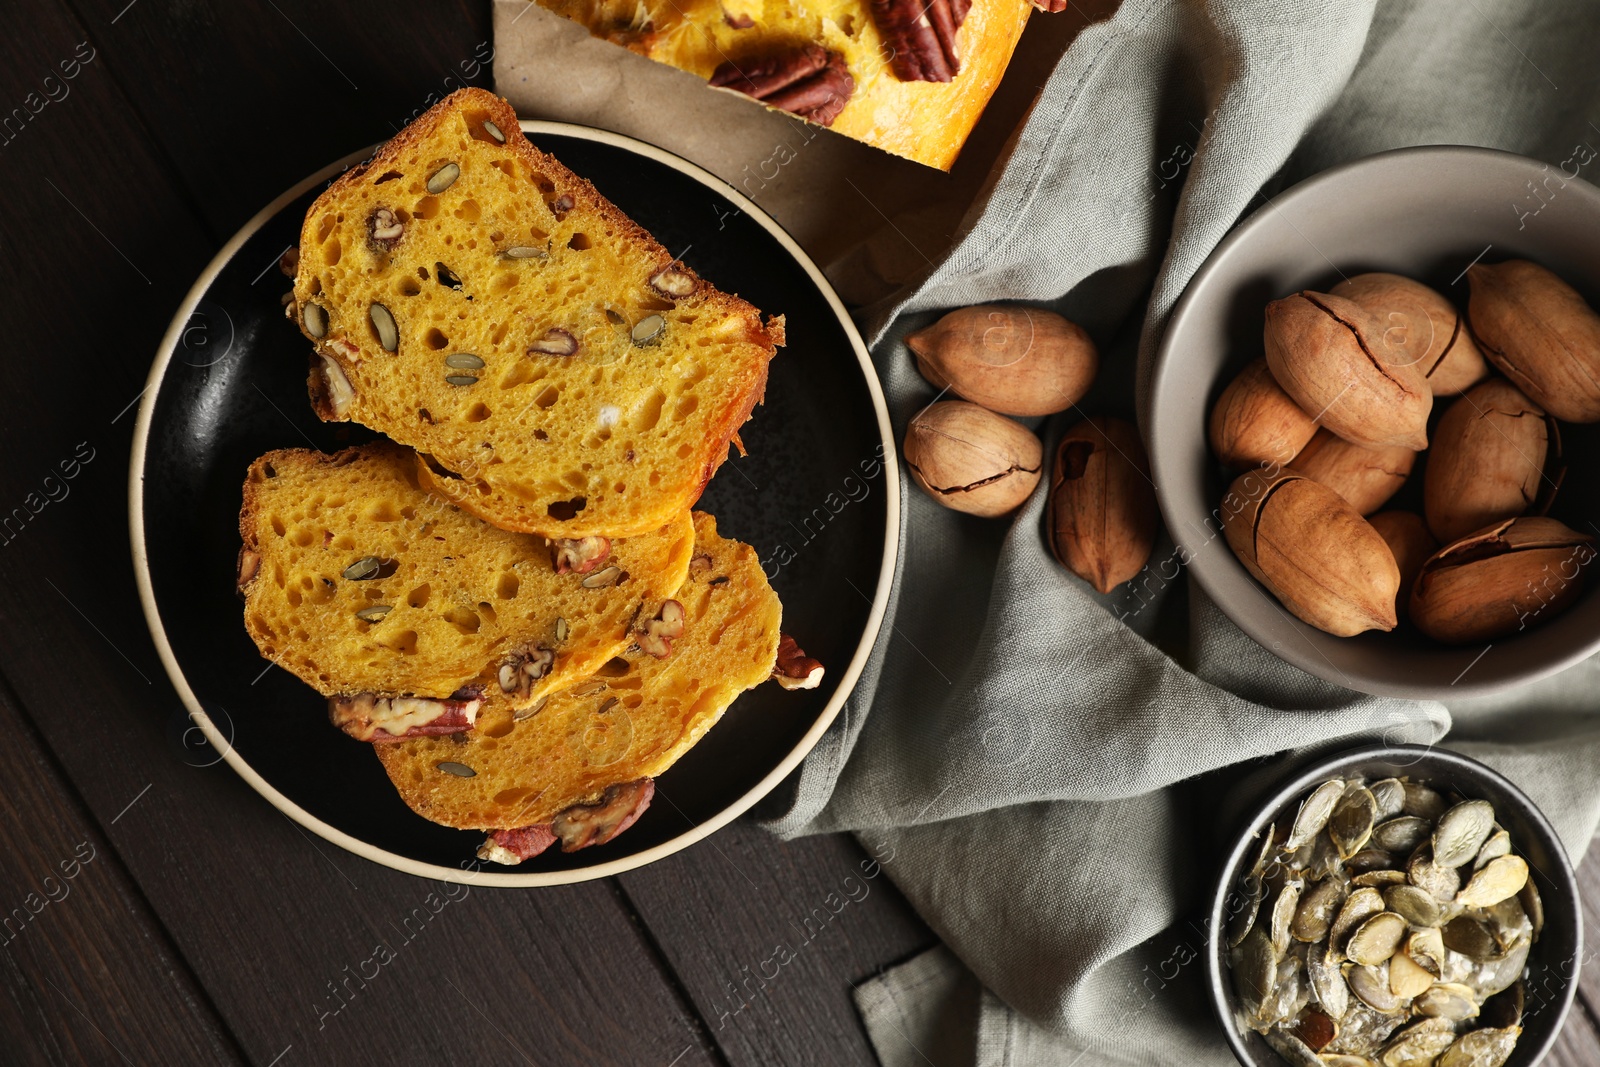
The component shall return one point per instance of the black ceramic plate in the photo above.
(818, 497)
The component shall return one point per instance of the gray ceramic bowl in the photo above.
(1553, 964)
(1422, 212)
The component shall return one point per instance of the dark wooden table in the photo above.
(154, 909)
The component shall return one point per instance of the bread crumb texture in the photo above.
(633, 718)
(367, 583)
(558, 370)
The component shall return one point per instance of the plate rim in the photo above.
(467, 873)
(1164, 364)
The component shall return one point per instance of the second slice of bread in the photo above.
(359, 582)
(631, 720)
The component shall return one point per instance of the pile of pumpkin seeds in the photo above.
(1387, 925)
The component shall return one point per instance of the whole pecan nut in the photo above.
(921, 37)
(810, 82)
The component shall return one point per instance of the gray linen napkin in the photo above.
(1029, 750)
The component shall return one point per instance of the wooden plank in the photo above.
(247, 99)
(88, 974)
(309, 955)
(1579, 1042)
(769, 938)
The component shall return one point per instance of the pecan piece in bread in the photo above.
(795, 669)
(376, 718)
(810, 82)
(579, 555)
(921, 36)
(249, 564)
(579, 826)
(513, 846)
(656, 635)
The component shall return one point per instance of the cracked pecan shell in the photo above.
(809, 81)
(970, 459)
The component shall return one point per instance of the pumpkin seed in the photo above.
(1482, 1048)
(461, 379)
(1495, 975)
(1402, 835)
(1263, 851)
(1390, 795)
(1422, 802)
(463, 361)
(443, 178)
(1461, 832)
(1327, 983)
(561, 629)
(531, 710)
(1502, 878)
(1407, 978)
(362, 569)
(648, 329)
(1470, 937)
(1508, 921)
(1363, 1031)
(1504, 1009)
(1352, 820)
(1427, 1024)
(1359, 906)
(602, 578)
(460, 770)
(1370, 984)
(1242, 920)
(1447, 1000)
(1417, 1049)
(1426, 949)
(1370, 859)
(1499, 844)
(526, 252)
(1533, 904)
(1283, 913)
(1416, 906)
(383, 322)
(315, 319)
(1379, 879)
(1292, 1049)
(1315, 914)
(1375, 940)
(1323, 859)
(494, 131)
(375, 612)
(1314, 813)
(1443, 882)
(1256, 970)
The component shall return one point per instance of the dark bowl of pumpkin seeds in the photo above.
(1395, 906)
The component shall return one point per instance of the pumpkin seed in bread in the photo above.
(628, 722)
(393, 601)
(560, 372)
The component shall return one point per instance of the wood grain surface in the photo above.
(152, 908)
